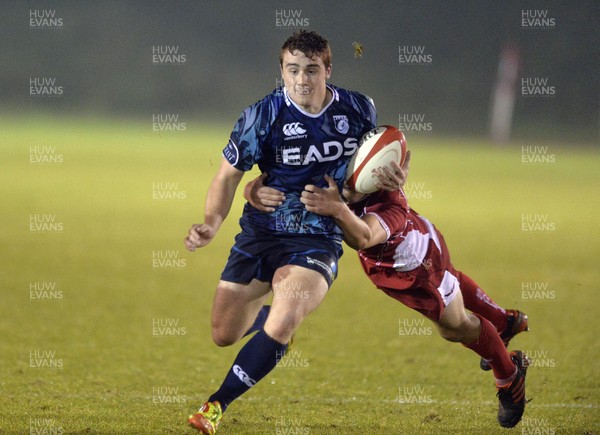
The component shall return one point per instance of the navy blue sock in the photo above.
(260, 320)
(255, 360)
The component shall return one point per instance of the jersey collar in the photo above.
(290, 102)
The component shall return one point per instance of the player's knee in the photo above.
(463, 332)
(220, 339)
(281, 333)
(283, 329)
(451, 334)
(223, 336)
(223, 340)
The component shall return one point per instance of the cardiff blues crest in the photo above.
(341, 123)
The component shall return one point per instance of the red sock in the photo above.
(489, 346)
(477, 301)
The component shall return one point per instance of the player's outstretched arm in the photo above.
(261, 197)
(358, 233)
(218, 203)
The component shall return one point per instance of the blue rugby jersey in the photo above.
(297, 148)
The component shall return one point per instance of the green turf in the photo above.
(350, 367)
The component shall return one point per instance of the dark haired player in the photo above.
(297, 134)
(404, 255)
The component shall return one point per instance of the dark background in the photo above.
(102, 56)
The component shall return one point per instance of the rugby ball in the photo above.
(377, 148)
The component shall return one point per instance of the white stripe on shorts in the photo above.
(448, 288)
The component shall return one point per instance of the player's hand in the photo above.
(198, 236)
(262, 197)
(393, 179)
(325, 202)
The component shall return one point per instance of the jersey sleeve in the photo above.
(365, 106)
(242, 149)
(391, 213)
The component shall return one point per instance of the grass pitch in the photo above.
(105, 316)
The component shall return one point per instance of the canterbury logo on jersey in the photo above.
(293, 129)
(240, 373)
(331, 150)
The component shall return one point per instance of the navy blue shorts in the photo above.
(259, 256)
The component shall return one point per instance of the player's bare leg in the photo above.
(297, 291)
(479, 335)
(456, 324)
(235, 307)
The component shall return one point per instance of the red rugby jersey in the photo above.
(408, 237)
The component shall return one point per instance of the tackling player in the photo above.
(406, 256)
(297, 134)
